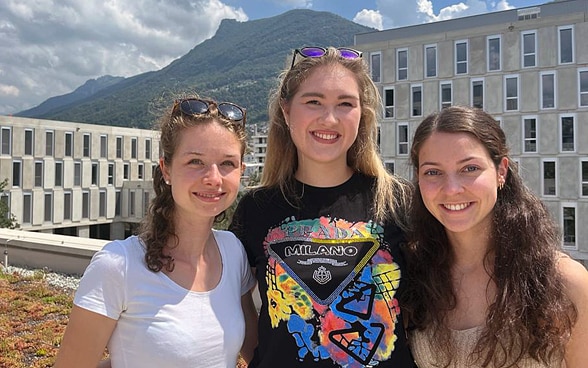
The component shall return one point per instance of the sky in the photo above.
(50, 47)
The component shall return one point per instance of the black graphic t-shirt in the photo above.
(328, 278)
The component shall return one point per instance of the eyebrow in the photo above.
(462, 161)
(194, 153)
(322, 95)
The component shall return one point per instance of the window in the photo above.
(583, 87)
(147, 149)
(27, 208)
(478, 93)
(430, 61)
(375, 66)
(584, 170)
(117, 203)
(5, 201)
(416, 100)
(77, 174)
(103, 146)
(549, 174)
(140, 171)
(446, 94)
(388, 102)
(119, 147)
(38, 173)
(59, 174)
(493, 53)
(567, 129)
(511, 96)
(402, 64)
(110, 174)
(569, 225)
(95, 173)
(68, 144)
(389, 166)
(566, 44)
(29, 143)
(86, 145)
(6, 141)
(133, 147)
(529, 49)
(67, 206)
(49, 143)
(48, 213)
(461, 57)
(85, 205)
(131, 204)
(548, 89)
(145, 203)
(530, 134)
(102, 204)
(16, 173)
(126, 172)
(402, 138)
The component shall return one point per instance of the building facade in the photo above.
(527, 67)
(76, 179)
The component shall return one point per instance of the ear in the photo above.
(502, 169)
(164, 170)
(285, 110)
(242, 168)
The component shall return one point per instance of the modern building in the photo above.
(84, 180)
(527, 67)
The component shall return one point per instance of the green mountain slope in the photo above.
(239, 64)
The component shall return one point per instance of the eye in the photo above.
(431, 172)
(347, 104)
(471, 168)
(313, 102)
(229, 163)
(195, 161)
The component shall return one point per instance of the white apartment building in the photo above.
(527, 67)
(92, 181)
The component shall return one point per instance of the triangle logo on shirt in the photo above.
(323, 267)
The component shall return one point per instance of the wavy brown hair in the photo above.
(531, 315)
(391, 194)
(158, 225)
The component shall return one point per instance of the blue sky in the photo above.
(50, 47)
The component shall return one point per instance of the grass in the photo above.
(33, 317)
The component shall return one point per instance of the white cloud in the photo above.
(400, 13)
(50, 47)
(369, 18)
(8, 90)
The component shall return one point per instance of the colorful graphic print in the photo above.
(333, 284)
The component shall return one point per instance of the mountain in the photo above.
(88, 89)
(240, 63)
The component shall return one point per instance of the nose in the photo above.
(330, 116)
(452, 184)
(212, 176)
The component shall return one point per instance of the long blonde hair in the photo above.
(391, 194)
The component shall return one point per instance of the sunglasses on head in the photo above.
(196, 106)
(316, 52)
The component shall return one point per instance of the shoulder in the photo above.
(575, 278)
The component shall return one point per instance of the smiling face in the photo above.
(205, 171)
(323, 117)
(458, 182)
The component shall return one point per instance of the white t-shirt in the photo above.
(161, 324)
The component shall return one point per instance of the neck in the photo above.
(323, 176)
(469, 252)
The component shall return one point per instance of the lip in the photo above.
(325, 136)
(456, 207)
(209, 196)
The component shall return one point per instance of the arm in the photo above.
(85, 339)
(250, 313)
(576, 283)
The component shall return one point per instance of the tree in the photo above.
(7, 219)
